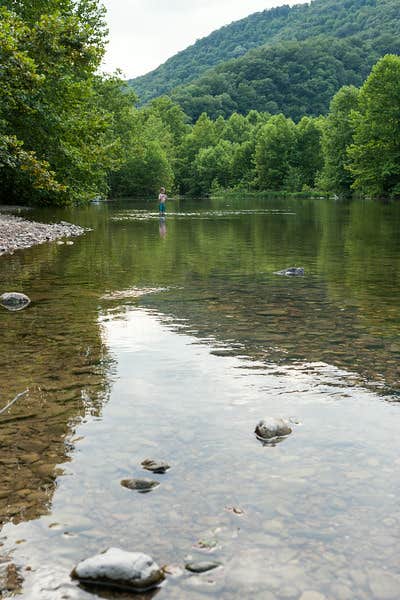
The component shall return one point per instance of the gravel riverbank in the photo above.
(17, 233)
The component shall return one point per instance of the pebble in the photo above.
(140, 485)
(288, 591)
(156, 466)
(384, 586)
(201, 566)
(271, 427)
(358, 577)
(341, 592)
(17, 233)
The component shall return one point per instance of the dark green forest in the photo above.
(69, 134)
(374, 26)
(295, 78)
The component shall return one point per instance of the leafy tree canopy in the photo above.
(375, 152)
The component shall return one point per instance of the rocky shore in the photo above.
(17, 233)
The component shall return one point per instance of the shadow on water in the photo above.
(110, 381)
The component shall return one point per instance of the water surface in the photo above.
(171, 339)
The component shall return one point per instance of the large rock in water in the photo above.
(117, 568)
(14, 300)
(291, 272)
(272, 427)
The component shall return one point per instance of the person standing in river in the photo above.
(162, 198)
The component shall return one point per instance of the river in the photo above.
(170, 340)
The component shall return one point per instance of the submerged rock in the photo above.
(140, 485)
(272, 427)
(201, 566)
(291, 272)
(117, 568)
(14, 301)
(10, 578)
(156, 466)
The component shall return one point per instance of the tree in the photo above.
(308, 158)
(147, 156)
(202, 135)
(18, 79)
(237, 129)
(213, 165)
(337, 136)
(51, 101)
(274, 152)
(172, 116)
(375, 154)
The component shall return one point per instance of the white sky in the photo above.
(144, 33)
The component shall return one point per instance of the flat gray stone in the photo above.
(119, 569)
(201, 566)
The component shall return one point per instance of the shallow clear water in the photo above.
(170, 340)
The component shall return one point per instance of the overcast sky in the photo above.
(144, 33)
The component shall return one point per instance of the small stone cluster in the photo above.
(17, 233)
(135, 572)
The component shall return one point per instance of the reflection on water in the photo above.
(145, 344)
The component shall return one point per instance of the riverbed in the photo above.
(170, 339)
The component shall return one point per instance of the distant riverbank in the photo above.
(17, 233)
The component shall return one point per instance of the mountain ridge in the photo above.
(336, 18)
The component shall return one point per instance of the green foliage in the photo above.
(52, 104)
(13, 158)
(274, 156)
(294, 78)
(337, 136)
(172, 116)
(68, 134)
(214, 166)
(374, 23)
(202, 135)
(153, 136)
(309, 159)
(375, 153)
(147, 156)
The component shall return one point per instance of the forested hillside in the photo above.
(370, 19)
(295, 78)
(68, 134)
